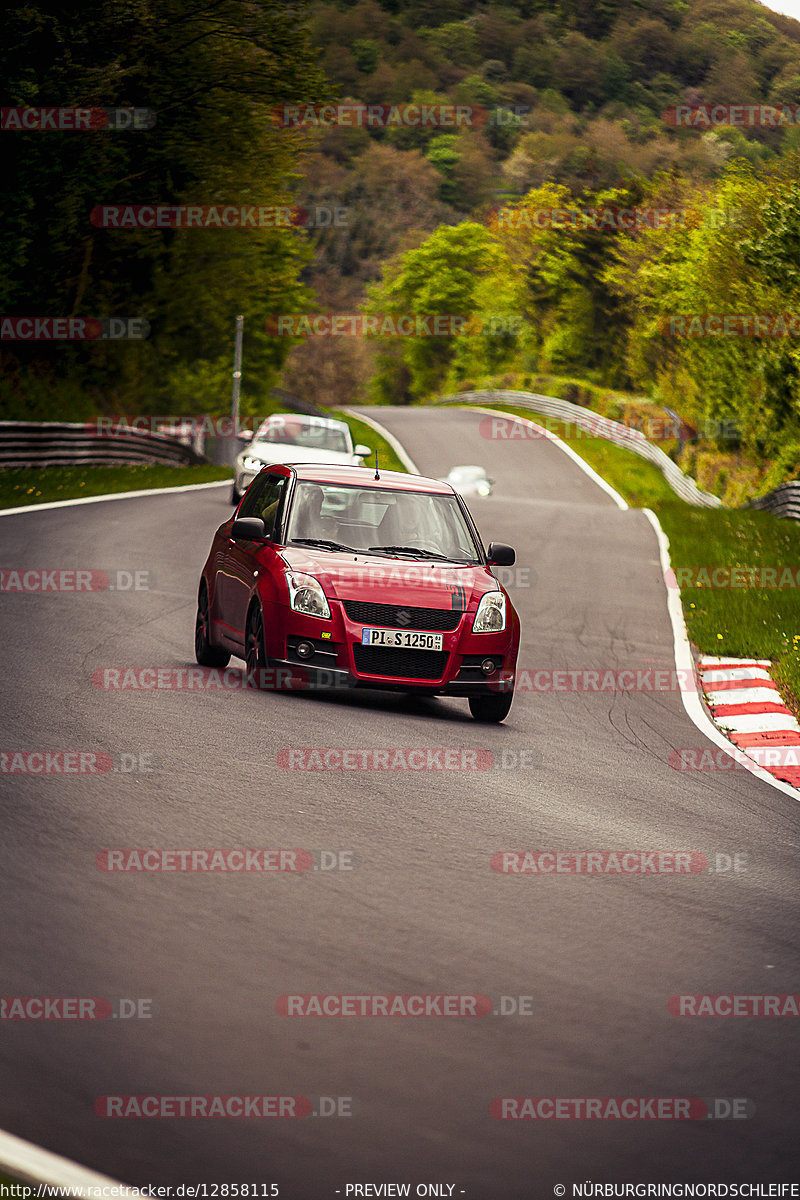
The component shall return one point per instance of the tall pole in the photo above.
(237, 374)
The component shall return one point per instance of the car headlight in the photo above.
(306, 595)
(252, 464)
(491, 614)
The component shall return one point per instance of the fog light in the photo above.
(487, 666)
(304, 650)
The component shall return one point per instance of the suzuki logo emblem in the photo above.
(403, 616)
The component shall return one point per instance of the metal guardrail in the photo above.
(783, 502)
(62, 444)
(593, 423)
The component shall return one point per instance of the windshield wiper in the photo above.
(412, 550)
(324, 543)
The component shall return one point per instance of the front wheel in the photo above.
(491, 709)
(206, 654)
(256, 656)
(235, 496)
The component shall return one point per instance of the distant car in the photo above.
(470, 481)
(289, 437)
(332, 577)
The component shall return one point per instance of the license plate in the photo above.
(408, 639)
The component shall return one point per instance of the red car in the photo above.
(345, 576)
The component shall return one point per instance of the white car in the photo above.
(292, 438)
(470, 481)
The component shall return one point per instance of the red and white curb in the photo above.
(747, 706)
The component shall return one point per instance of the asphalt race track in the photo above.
(421, 910)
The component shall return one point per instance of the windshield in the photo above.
(395, 524)
(309, 433)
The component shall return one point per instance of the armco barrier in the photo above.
(591, 422)
(783, 502)
(58, 444)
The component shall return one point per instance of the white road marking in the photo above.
(184, 487)
(759, 722)
(31, 1163)
(744, 696)
(398, 447)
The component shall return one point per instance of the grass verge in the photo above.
(740, 621)
(39, 485)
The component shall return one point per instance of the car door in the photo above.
(245, 557)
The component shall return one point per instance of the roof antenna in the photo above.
(376, 476)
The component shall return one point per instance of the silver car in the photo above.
(292, 438)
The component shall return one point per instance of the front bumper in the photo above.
(338, 661)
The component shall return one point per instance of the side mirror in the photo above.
(498, 553)
(363, 451)
(252, 529)
(245, 435)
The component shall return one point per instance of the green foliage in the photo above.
(443, 276)
(211, 72)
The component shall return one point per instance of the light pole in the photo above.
(237, 375)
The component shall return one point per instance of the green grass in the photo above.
(361, 432)
(38, 485)
(743, 622)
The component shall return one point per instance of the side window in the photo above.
(252, 497)
(263, 500)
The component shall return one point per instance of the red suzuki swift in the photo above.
(341, 576)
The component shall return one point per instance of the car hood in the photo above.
(401, 581)
(276, 452)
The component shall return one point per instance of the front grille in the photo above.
(392, 660)
(401, 616)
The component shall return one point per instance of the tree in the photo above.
(212, 72)
(443, 276)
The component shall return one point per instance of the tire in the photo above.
(491, 709)
(255, 653)
(206, 654)
(235, 496)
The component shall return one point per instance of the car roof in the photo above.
(303, 419)
(365, 477)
